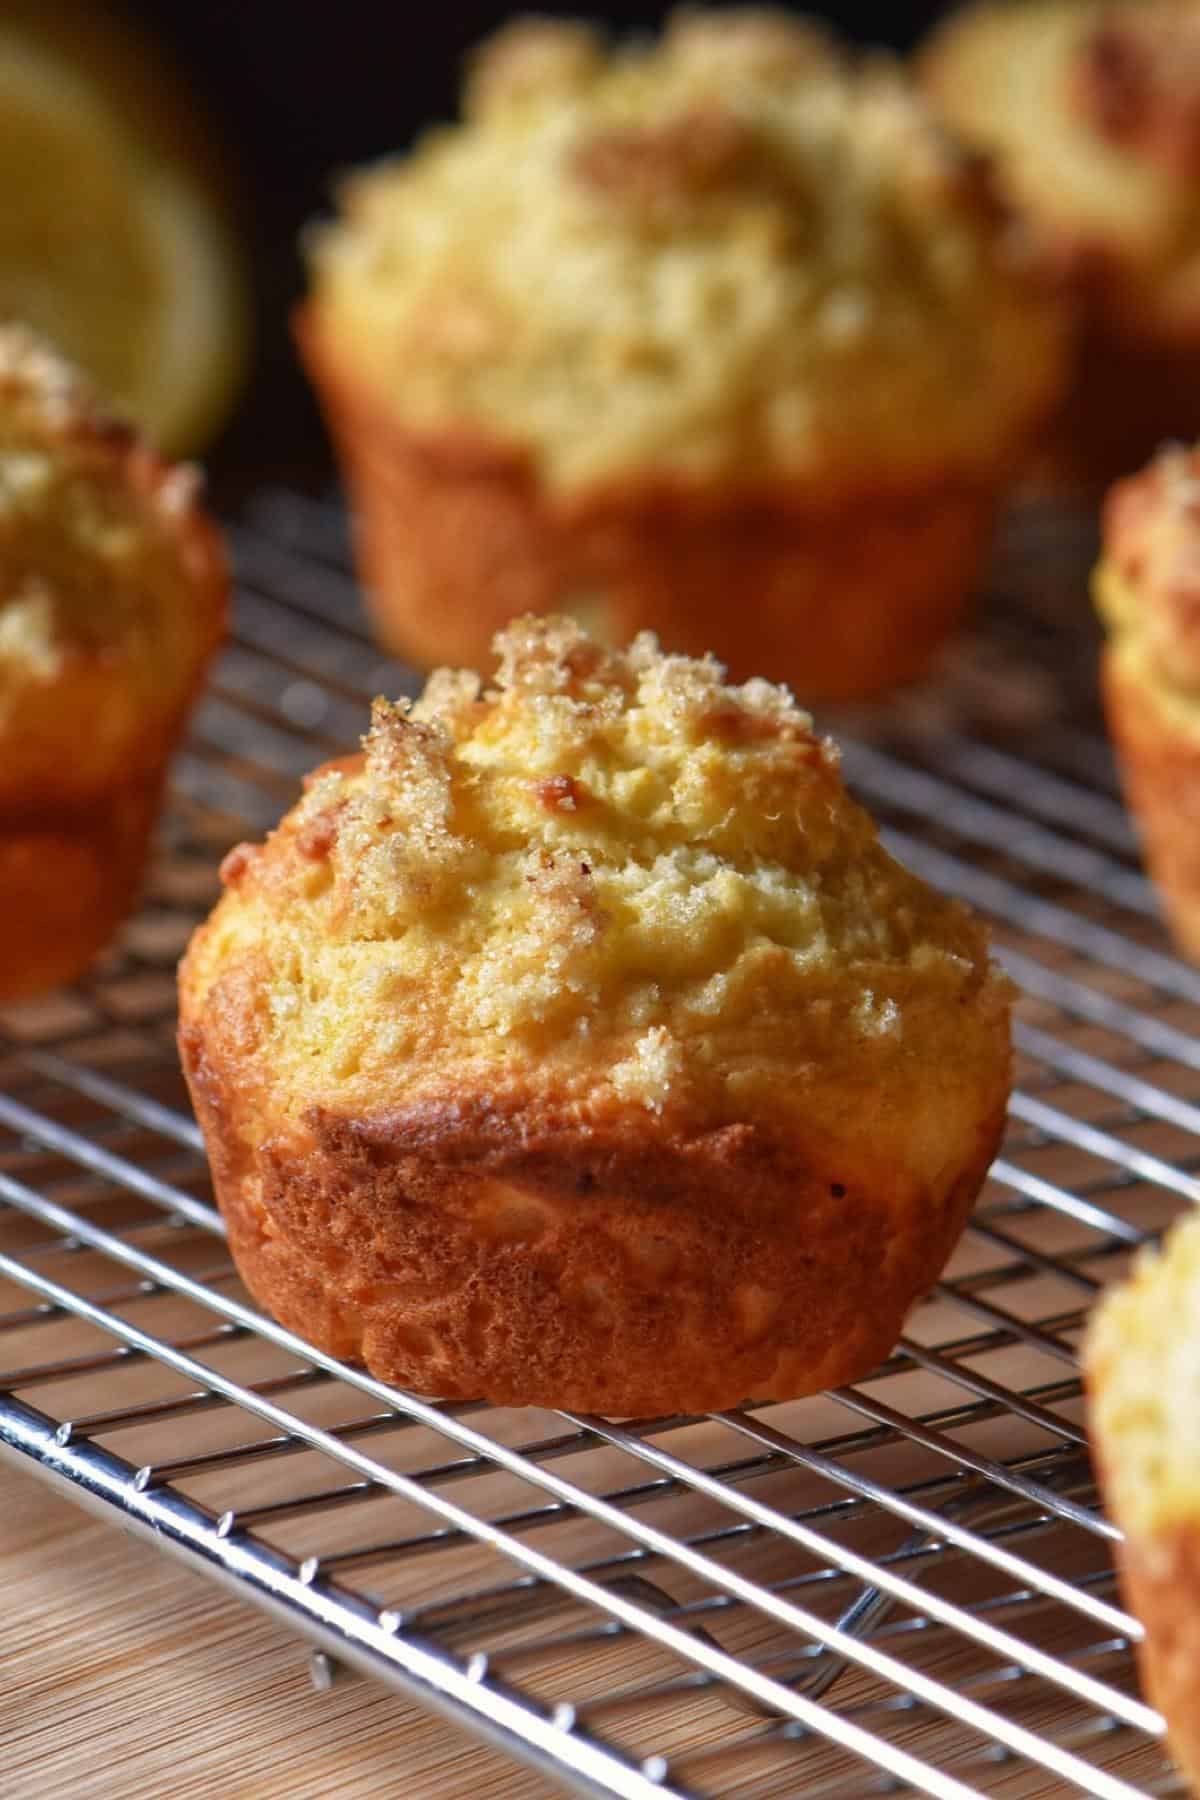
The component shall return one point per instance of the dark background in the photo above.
(298, 91)
(306, 87)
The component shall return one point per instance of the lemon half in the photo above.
(116, 250)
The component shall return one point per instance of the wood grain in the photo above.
(124, 1673)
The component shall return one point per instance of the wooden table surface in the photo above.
(124, 1673)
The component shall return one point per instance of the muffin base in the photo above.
(68, 879)
(1160, 771)
(481, 1248)
(840, 595)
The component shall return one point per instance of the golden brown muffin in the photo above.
(1142, 1365)
(716, 335)
(112, 600)
(1147, 588)
(579, 1045)
(1091, 112)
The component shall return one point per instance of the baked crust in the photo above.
(113, 587)
(456, 536)
(1141, 1361)
(579, 1044)
(1159, 761)
(1161, 1579)
(1147, 587)
(67, 881)
(625, 1264)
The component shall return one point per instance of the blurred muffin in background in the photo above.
(716, 335)
(112, 600)
(1091, 113)
(116, 238)
(1147, 588)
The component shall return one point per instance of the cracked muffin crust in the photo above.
(674, 318)
(112, 600)
(579, 1045)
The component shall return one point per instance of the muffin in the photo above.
(112, 600)
(716, 336)
(1091, 112)
(578, 1045)
(1147, 589)
(1142, 1366)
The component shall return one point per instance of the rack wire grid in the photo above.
(903, 1586)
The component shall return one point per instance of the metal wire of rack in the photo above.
(905, 1586)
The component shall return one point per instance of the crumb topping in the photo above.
(716, 906)
(528, 60)
(727, 254)
(760, 43)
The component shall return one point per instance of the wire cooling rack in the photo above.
(904, 1586)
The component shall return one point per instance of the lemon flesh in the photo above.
(115, 253)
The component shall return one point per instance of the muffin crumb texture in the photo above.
(610, 860)
(725, 255)
(579, 1045)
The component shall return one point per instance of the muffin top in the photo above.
(726, 256)
(1143, 1365)
(1147, 585)
(1092, 110)
(610, 878)
(112, 584)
